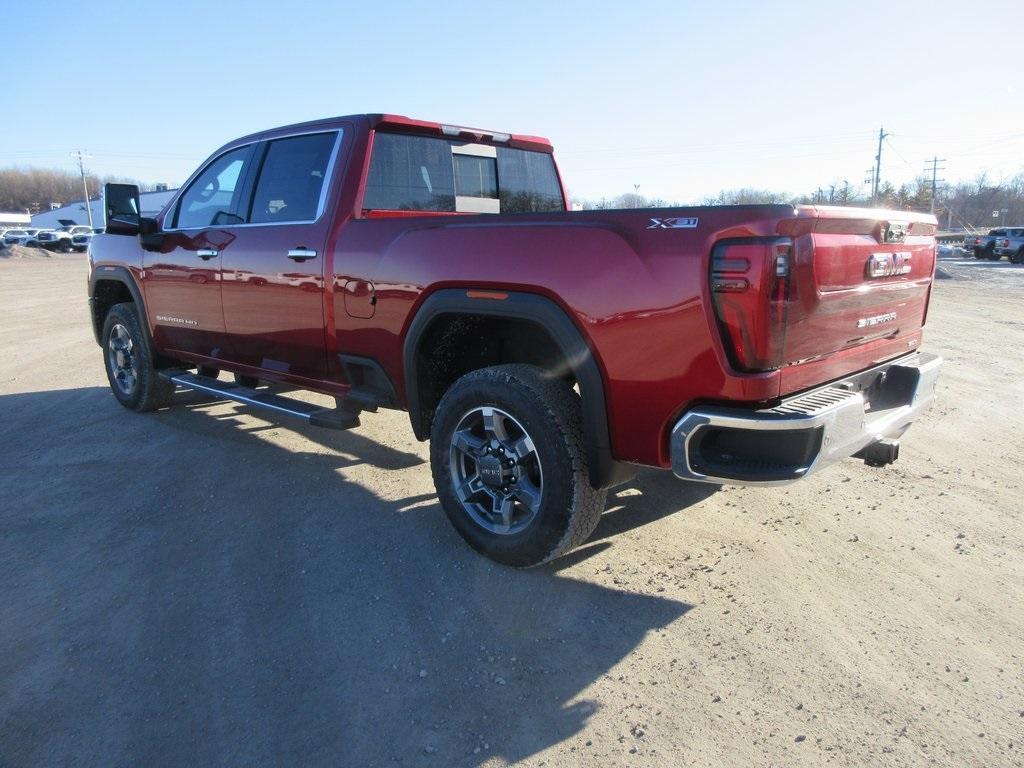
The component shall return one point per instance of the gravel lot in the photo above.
(203, 587)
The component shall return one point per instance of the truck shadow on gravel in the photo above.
(174, 591)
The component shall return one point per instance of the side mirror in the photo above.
(121, 209)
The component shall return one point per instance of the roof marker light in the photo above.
(455, 130)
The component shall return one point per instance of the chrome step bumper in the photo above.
(805, 433)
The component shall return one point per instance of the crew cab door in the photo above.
(182, 277)
(273, 273)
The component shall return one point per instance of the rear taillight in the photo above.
(750, 287)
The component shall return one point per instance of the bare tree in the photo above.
(37, 189)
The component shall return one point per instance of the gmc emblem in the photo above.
(889, 264)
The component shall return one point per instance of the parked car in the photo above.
(33, 239)
(1010, 244)
(545, 353)
(984, 246)
(60, 239)
(22, 236)
(16, 236)
(80, 242)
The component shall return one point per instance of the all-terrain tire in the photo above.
(992, 255)
(979, 254)
(149, 391)
(1018, 257)
(550, 412)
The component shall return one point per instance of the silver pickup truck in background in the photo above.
(1009, 243)
(983, 246)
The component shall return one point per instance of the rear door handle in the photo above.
(207, 253)
(301, 254)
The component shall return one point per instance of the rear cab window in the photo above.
(424, 173)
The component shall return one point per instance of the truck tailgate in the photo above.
(859, 288)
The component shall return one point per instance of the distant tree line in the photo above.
(968, 204)
(38, 189)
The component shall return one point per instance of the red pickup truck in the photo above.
(545, 353)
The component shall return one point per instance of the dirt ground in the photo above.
(202, 586)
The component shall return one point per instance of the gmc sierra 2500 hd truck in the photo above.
(396, 263)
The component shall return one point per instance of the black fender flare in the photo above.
(118, 275)
(605, 470)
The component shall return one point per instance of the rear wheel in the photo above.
(510, 467)
(64, 246)
(992, 255)
(980, 254)
(129, 361)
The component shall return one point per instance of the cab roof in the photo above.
(403, 124)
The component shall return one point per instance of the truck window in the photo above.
(291, 179)
(528, 182)
(422, 173)
(211, 197)
(410, 173)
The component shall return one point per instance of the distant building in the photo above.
(152, 203)
(15, 219)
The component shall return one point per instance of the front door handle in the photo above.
(301, 254)
(207, 253)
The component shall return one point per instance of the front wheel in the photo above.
(129, 361)
(510, 467)
(1018, 257)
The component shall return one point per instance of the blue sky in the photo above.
(680, 98)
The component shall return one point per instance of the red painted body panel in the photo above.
(639, 296)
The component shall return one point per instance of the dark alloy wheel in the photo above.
(129, 362)
(496, 471)
(509, 464)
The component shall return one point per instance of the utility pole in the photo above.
(934, 162)
(878, 165)
(85, 186)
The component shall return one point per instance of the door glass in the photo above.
(210, 199)
(292, 179)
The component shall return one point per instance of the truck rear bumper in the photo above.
(807, 432)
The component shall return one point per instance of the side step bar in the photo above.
(330, 418)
